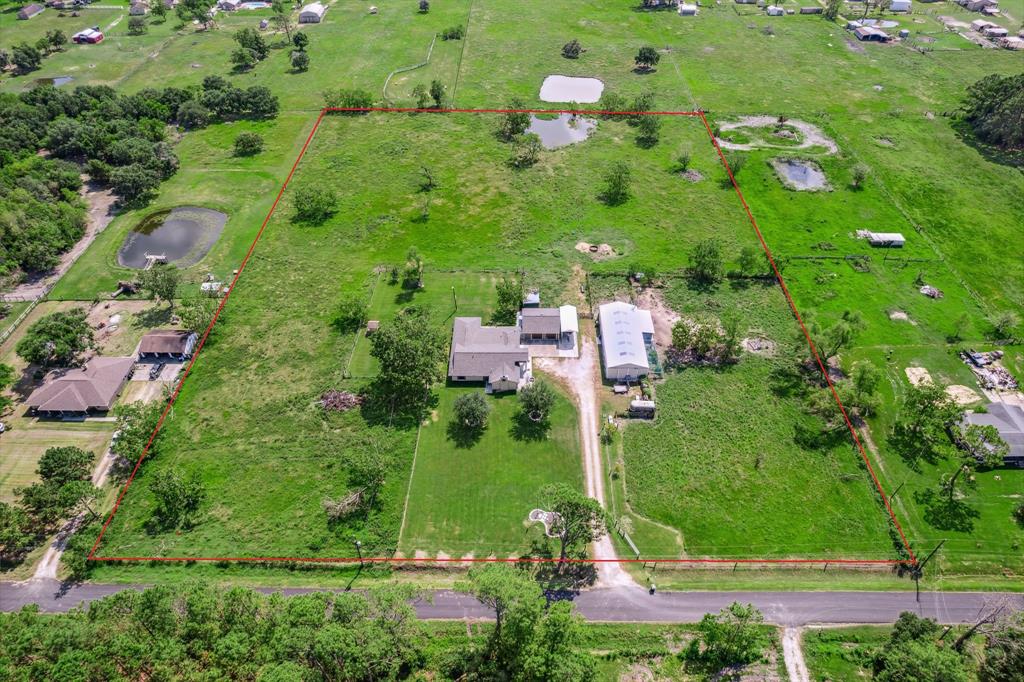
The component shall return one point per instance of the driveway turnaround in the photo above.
(622, 604)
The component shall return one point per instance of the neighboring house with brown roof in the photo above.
(79, 392)
(492, 355)
(29, 11)
(168, 344)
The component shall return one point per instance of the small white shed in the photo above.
(899, 6)
(775, 11)
(886, 239)
(687, 10)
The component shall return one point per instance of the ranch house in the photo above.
(80, 392)
(492, 355)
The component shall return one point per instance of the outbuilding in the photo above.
(1008, 420)
(29, 11)
(168, 344)
(89, 36)
(871, 34)
(995, 32)
(229, 5)
(313, 13)
(1012, 43)
(886, 239)
(981, 24)
(687, 10)
(626, 336)
(812, 10)
(774, 11)
(138, 9)
(899, 6)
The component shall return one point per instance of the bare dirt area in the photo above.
(596, 251)
(918, 375)
(962, 395)
(692, 175)
(812, 135)
(664, 317)
(900, 316)
(759, 346)
(100, 204)
(793, 654)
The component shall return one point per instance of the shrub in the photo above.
(247, 144)
(572, 49)
(471, 411)
(453, 33)
(537, 400)
(314, 204)
(350, 314)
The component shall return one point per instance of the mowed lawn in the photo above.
(26, 440)
(474, 498)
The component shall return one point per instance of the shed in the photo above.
(29, 11)
(89, 36)
(871, 34)
(995, 32)
(899, 6)
(532, 300)
(1012, 43)
(687, 10)
(372, 326)
(774, 11)
(812, 10)
(138, 9)
(229, 5)
(886, 239)
(981, 24)
(626, 333)
(313, 13)
(641, 408)
(904, 33)
(168, 344)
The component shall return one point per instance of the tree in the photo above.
(351, 313)
(134, 183)
(858, 174)
(647, 58)
(159, 10)
(196, 10)
(177, 498)
(57, 339)
(421, 95)
(411, 352)
(247, 144)
(315, 204)
(26, 58)
(526, 150)
(864, 381)
(537, 400)
(414, 268)
(17, 536)
(832, 338)
(572, 49)
(282, 18)
(1004, 650)
(193, 115)
(985, 446)
(300, 61)
(7, 378)
(648, 130)
(250, 39)
(63, 485)
(751, 261)
(61, 465)
(300, 40)
(616, 184)
(510, 292)
(137, 26)
(993, 108)
(197, 313)
(243, 58)
(1004, 324)
(706, 263)
(920, 431)
(832, 9)
(424, 6)
(515, 121)
(57, 39)
(683, 160)
(135, 426)
(160, 282)
(912, 653)
(580, 521)
(736, 161)
(437, 93)
(471, 410)
(734, 636)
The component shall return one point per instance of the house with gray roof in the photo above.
(1008, 420)
(80, 392)
(167, 344)
(492, 355)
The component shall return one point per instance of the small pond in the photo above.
(182, 235)
(800, 174)
(56, 81)
(254, 5)
(879, 23)
(565, 129)
(571, 89)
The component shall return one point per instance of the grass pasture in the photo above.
(26, 440)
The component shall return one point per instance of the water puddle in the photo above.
(571, 89)
(800, 175)
(562, 130)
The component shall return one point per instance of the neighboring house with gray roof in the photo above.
(167, 344)
(1008, 420)
(492, 355)
(79, 392)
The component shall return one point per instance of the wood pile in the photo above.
(340, 401)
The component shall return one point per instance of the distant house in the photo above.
(871, 34)
(229, 5)
(626, 333)
(492, 355)
(168, 344)
(1012, 43)
(1008, 420)
(981, 24)
(774, 11)
(995, 32)
(138, 9)
(554, 326)
(89, 36)
(79, 392)
(312, 13)
(687, 10)
(980, 5)
(29, 11)
(899, 6)
(886, 239)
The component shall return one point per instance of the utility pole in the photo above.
(455, 300)
(919, 569)
(898, 488)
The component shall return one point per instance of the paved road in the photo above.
(790, 609)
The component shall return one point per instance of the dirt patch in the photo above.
(918, 375)
(637, 672)
(692, 176)
(900, 316)
(855, 46)
(759, 346)
(812, 135)
(664, 317)
(962, 395)
(596, 251)
(884, 142)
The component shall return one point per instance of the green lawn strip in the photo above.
(26, 440)
(475, 499)
(842, 653)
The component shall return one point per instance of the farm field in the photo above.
(720, 473)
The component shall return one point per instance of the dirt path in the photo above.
(813, 135)
(793, 654)
(582, 377)
(100, 203)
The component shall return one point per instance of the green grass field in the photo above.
(842, 653)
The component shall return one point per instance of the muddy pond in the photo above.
(561, 130)
(800, 174)
(182, 235)
(571, 89)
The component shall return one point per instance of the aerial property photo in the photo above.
(387, 326)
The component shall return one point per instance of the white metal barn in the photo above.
(313, 13)
(626, 332)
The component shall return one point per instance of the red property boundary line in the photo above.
(361, 560)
